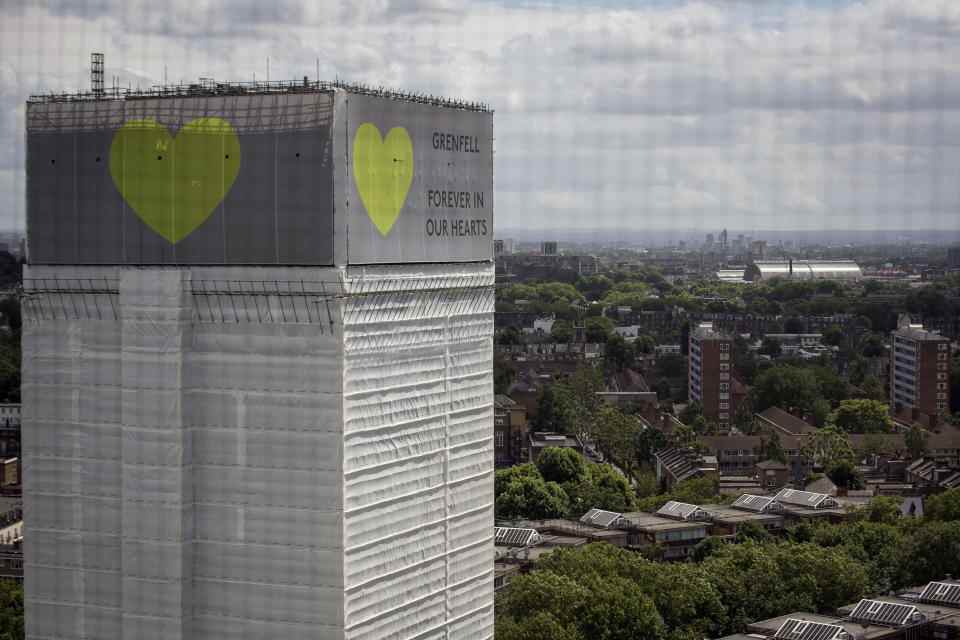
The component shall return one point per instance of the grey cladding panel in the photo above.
(278, 210)
(446, 215)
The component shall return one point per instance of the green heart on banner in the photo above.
(383, 171)
(173, 184)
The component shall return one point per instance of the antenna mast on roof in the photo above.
(96, 73)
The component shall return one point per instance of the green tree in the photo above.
(618, 436)
(828, 447)
(557, 410)
(618, 354)
(787, 387)
(560, 465)
(943, 506)
(750, 530)
(510, 336)
(691, 412)
(770, 347)
(644, 344)
(744, 419)
(598, 329)
(531, 497)
(833, 336)
(11, 610)
(862, 416)
(873, 388)
(541, 625)
(757, 581)
(504, 374)
(932, 550)
(877, 546)
(503, 477)
(562, 332)
(542, 591)
(603, 488)
(883, 509)
(773, 448)
(844, 474)
(916, 441)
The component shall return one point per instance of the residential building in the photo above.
(920, 372)
(540, 440)
(510, 432)
(9, 429)
(675, 536)
(675, 465)
(930, 611)
(710, 374)
(775, 419)
(773, 474)
(502, 246)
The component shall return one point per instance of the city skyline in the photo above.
(667, 116)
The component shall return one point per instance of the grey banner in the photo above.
(419, 182)
(105, 188)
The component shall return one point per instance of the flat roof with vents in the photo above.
(941, 593)
(794, 629)
(514, 537)
(601, 518)
(805, 499)
(757, 504)
(886, 613)
(682, 511)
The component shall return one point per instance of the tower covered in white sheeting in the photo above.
(257, 382)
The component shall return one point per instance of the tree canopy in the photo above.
(862, 416)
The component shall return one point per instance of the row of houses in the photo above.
(675, 529)
(926, 612)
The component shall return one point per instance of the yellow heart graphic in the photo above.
(174, 184)
(383, 171)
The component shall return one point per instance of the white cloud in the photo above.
(716, 113)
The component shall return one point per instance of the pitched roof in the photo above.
(756, 504)
(771, 464)
(515, 537)
(601, 518)
(941, 593)
(786, 421)
(886, 613)
(794, 629)
(823, 485)
(679, 463)
(805, 499)
(682, 511)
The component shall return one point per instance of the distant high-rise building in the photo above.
(548, 248)
(919, 370)
(502, 246)
(953, 257)
(758, 249)
(257, 365)
(710, 373)
(723, 239)
(708, 243)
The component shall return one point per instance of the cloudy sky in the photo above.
(750, 114)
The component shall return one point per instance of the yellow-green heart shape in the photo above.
(383, 171)
(174, 184)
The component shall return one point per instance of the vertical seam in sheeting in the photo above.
(446, 469)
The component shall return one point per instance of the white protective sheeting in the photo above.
(313, 460)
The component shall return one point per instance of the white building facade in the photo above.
(231, 451)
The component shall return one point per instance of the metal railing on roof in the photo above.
(211, 88)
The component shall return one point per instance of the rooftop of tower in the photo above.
(208, 87)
